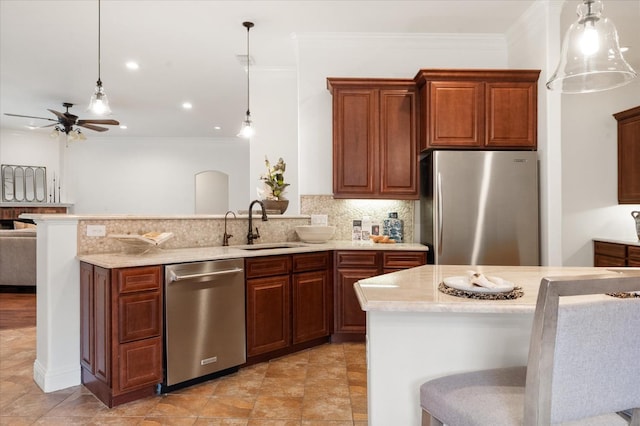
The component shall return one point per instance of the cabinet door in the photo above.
(268, 314)
(455, 116)
(634, 255)
(348, 316)
(398, 144)
(87, 321)
(310, 306)
(355, 132)
(102, 324)
(609, 254)
(511, 115)
(629, 156)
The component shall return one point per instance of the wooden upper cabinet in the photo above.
(628, 156)
(375, 152)
(478, 109)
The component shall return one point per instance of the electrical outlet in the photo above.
(96, 230)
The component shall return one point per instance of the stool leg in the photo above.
(635, 417)
(429, 420)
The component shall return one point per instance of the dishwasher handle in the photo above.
(175, 277)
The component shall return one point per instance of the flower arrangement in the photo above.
(274, 179)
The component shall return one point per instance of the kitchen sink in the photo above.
(270, 246)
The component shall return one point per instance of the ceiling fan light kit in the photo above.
(247, 130)
(99, 103)
(591, 59)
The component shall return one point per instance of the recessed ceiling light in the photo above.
(187, 105)
(123, 126)
(217, 127)
(132, 65)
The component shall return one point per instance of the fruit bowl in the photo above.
(315, 233)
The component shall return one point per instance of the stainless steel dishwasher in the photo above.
(204, 320)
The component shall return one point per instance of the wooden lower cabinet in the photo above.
(121, 331)
(288, 303)
(607, 254)
(350, 322)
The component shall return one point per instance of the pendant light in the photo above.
(591, 59)
(99, 103)
(247, 130)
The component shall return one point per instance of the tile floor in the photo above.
(323, 386)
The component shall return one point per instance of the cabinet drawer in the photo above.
(267, 266)
(140, 363)
(140, 316)
(365, 259)
(610, 249)
(403, 260)
(139, 278)
(310, 262)
(605, 261)
(634, 253)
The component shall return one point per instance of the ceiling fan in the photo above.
(66, 121)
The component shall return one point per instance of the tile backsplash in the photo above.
(342, 213)
(201, 231)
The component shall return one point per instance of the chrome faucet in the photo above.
(225, 237)
(250, 235)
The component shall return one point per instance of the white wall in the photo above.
(589, 153)
(370, 55)
(533, 42)
(589, 179)
(149, 175)
(274, 111)
(30, 149)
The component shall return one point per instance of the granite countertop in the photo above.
(416, 289)
(158, 256)
(626, 241)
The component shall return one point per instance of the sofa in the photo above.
(18, 257)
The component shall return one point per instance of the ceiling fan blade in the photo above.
(30, 116)
(58, 114)
(48, 125)
(97, 121)
(92, 127)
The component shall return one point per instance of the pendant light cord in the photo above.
(248, 25)
(99, 32)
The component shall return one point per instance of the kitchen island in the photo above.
(416, 333)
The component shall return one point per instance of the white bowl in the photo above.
(315, 233)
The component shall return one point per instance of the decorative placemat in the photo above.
(513, 294)
(624, 295)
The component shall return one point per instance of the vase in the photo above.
(280, 205)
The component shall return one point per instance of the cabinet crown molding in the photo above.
(512, 75)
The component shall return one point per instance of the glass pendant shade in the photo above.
(247, 129)
(591, 59)
(99, 103)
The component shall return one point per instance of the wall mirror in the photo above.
(24, 183)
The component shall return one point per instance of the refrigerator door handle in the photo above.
(439, 204)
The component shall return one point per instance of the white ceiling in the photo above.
(187, 52)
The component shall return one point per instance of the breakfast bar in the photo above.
(415, 332)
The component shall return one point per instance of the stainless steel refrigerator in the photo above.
(480, 207)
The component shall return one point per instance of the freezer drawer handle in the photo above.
(175, 277)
